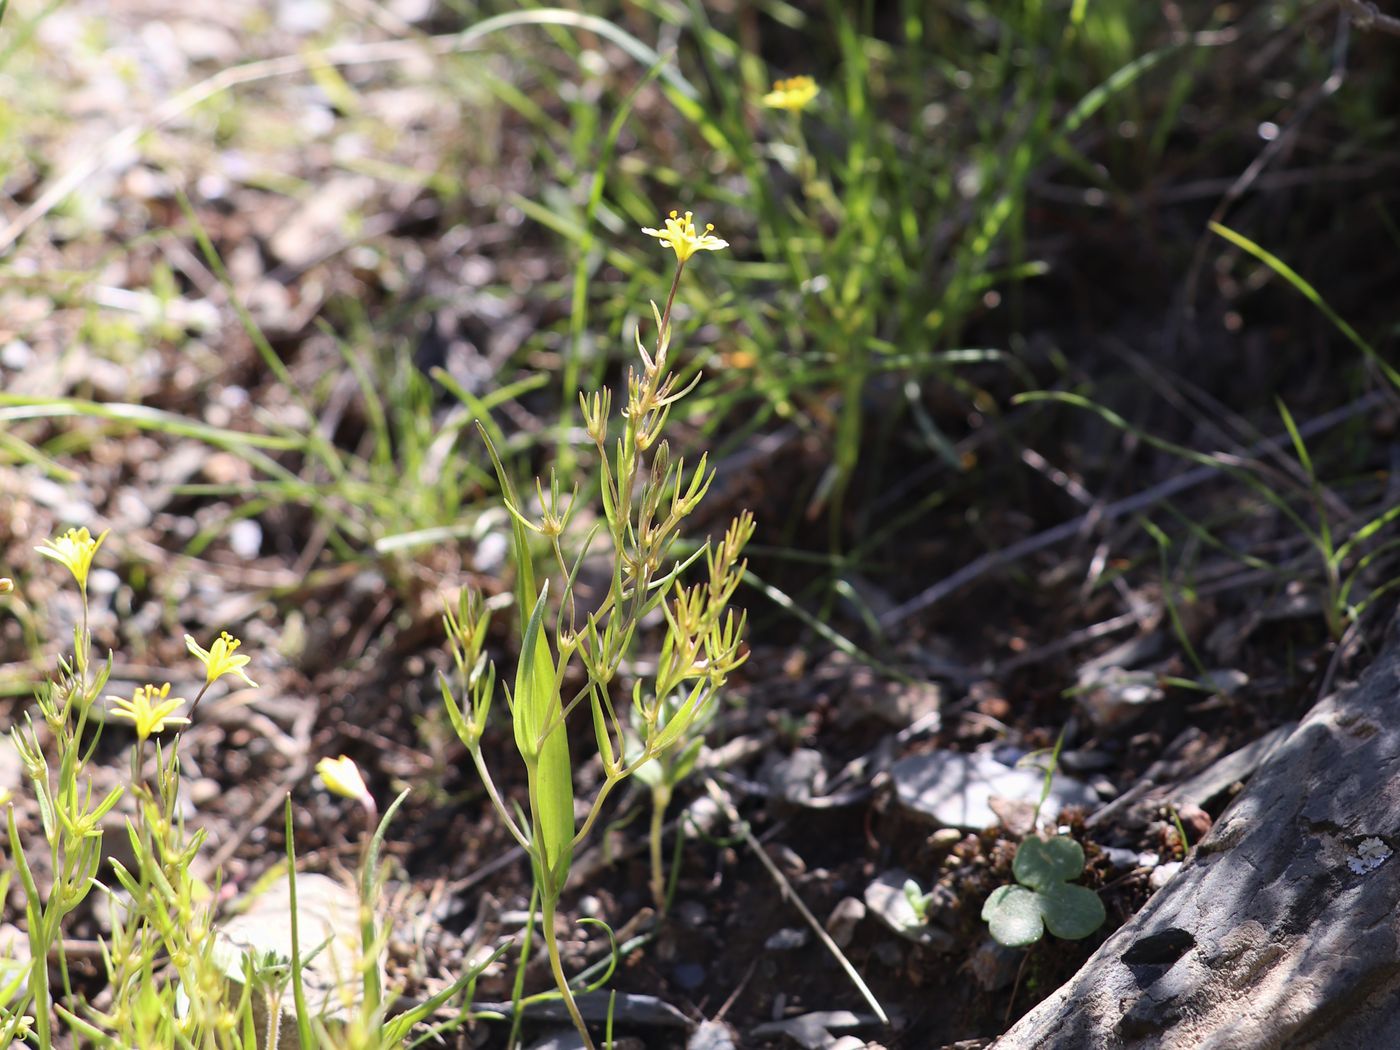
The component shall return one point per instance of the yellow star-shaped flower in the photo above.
(219, 658)
(794, 94)
(150, 709)
(681, 236)
(74, 549)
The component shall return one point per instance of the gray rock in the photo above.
(11, 767)
(815, 1031)
(1114, 699)
(886, 900)
(711, 1035)
(956, 789)
(328, 938)
(1269, 935)
(844, 919)
(786, 940)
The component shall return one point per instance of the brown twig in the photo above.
(1366, 15)
(721, 797)
(979, 567)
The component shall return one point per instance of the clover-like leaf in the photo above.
(1071, 911)
(1044, 863)
(1019, 915)
(1013, 913)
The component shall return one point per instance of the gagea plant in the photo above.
(646, 496)
(167, 974)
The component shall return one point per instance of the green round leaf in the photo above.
(1071, 911)
(1042, 863)
(1013, 913)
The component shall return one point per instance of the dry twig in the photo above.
(1366, 15)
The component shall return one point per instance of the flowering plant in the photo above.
(646, 495)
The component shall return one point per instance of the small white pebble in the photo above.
(786, 940)
(1162, 874)
(245, 538)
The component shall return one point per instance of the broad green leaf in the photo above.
(1043, 863)
(538, 708)
(1071, 911)
(534, 681)
(1013, 913)
(554, 792)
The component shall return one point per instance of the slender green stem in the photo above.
(40, 937)
(597, 807)
(660, 800)
(666, 314)
(496, 800)
(193, 707)
(549, 901)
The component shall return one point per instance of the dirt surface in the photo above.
(377, 209)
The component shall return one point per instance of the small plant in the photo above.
(918, 900)
(646, 496)
(1044, 897)
(169, 981)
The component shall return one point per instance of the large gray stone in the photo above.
(955, 788)
(1283, 929)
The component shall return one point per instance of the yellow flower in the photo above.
(74, 549)
(219, 658)
(6, 585)
(680, 235)
(794, 94)
(342, 777)
(150, 709)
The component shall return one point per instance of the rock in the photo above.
(628, 1008)
(1163, 874)
(799, 776)
(11, 767)
(844, 919)
(328, 937)
(994, 966)
(956, 789)
(814, 1031)
(786, 940)
(1114, 698)
(711, 1035)
(1280, 929)
(1223, 774)
(886, 900)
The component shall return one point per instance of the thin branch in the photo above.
(1366, 15)
(721, 798)
(979, 567)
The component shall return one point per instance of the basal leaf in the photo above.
(1013, 913)
(1071, 911)
(1043, 863)
(538, 708)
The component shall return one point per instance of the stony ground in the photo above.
(373, 206)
